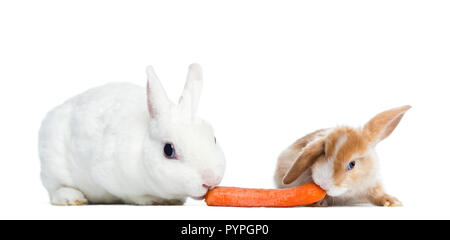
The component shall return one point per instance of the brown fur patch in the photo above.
(383, 124)
(353, 144)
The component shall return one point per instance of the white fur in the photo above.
(323, 176)
(105, 147)
(323, 173)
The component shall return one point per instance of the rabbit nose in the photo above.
(209, 179)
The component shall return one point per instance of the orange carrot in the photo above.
(244, 197)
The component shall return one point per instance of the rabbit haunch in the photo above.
(107, 146)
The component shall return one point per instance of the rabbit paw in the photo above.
(68, 197)
(389, 201)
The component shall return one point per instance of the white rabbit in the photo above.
(115, 144)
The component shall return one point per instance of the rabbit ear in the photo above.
(382, 125)
(192, 90)
(307, 158)
(157, 100)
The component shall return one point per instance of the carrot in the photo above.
(244, 197)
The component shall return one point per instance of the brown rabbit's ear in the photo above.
(382, 125)
(306, 159)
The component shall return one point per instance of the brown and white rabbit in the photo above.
(342, 161)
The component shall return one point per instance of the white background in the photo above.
(274, 71)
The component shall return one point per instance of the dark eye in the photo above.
(215, 140)
(351, 165)
(169, 151)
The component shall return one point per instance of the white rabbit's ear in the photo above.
(157, 100)
(382, 125)
(190, 98)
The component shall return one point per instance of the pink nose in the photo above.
(209, 179)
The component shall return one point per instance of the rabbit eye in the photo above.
(169, 151)
(351, 165)
(215, 140)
